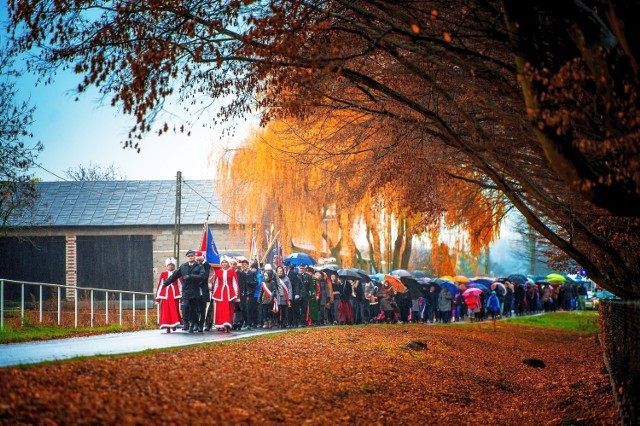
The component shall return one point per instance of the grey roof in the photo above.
(122, 203)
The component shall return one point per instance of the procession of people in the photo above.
(239, 296)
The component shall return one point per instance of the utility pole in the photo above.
(176, 228)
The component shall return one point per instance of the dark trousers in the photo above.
(192, 310)
(202, 312)
(302, 311)
(208, 317)
(360, 311)
(255, 311)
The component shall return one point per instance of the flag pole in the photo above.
(270, 246)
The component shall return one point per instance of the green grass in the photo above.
(581, 321)
(29, 332)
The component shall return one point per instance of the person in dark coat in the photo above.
(192, 274)
(205, 294)
(250, 305)
(432, 300)
(296, 283)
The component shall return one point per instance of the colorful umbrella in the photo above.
(555, 278)
(447, 278)
(395, 283)
(480, 286)
(472, 292)
(461, 279)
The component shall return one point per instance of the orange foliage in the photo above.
(402, 374)
(306, 177)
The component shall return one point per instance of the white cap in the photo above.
(171, 260)
(268, 267)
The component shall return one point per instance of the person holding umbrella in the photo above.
(386, 297)
(444, 304)
(472, 300)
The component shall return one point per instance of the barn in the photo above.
(112, 234)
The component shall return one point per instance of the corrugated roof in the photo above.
(123, 202)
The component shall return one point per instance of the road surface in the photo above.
(110, 344)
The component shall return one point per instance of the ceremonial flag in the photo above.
(253, 247)
(208, 246)
(280, 256)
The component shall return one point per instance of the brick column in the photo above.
(72, 277)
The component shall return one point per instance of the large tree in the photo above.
(535, 100)
(18, 153)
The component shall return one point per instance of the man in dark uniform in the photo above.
(296, 282)
(306, 284)
(249, 282)
(192, 274)
(205, 294)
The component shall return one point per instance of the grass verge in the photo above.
(29, 332)
(579, 321)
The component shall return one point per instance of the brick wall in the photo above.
(71, 266)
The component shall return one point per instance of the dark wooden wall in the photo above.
(114, 262)
(34, 259)
(123, 262)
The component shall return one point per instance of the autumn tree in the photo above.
(17, 192)
(540, 112)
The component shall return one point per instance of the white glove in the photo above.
(297, 297)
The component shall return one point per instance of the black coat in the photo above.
(192, 275)
(204, 284)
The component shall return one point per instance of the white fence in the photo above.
(131, 294)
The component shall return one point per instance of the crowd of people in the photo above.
(240, 296)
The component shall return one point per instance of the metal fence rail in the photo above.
(148, 301)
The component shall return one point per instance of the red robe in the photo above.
(169, 302)
(225, 291)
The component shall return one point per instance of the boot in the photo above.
(186, 326)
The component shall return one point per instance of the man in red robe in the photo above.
(225, 292)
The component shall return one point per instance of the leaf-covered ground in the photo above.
(335, 375)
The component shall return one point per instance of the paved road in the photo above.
(109, 344)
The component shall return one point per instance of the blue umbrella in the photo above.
(378, 277)
(298, 259)
(453, 289)
(483, 281)
(478, 285)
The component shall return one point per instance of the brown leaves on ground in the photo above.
(336, 375)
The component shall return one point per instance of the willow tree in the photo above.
(306, 178)
(541, 111)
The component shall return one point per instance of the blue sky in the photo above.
(85, 132)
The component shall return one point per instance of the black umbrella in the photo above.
(349, 274)
(517, 278)
(329, 268)
(415, 290)
(364, 277)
